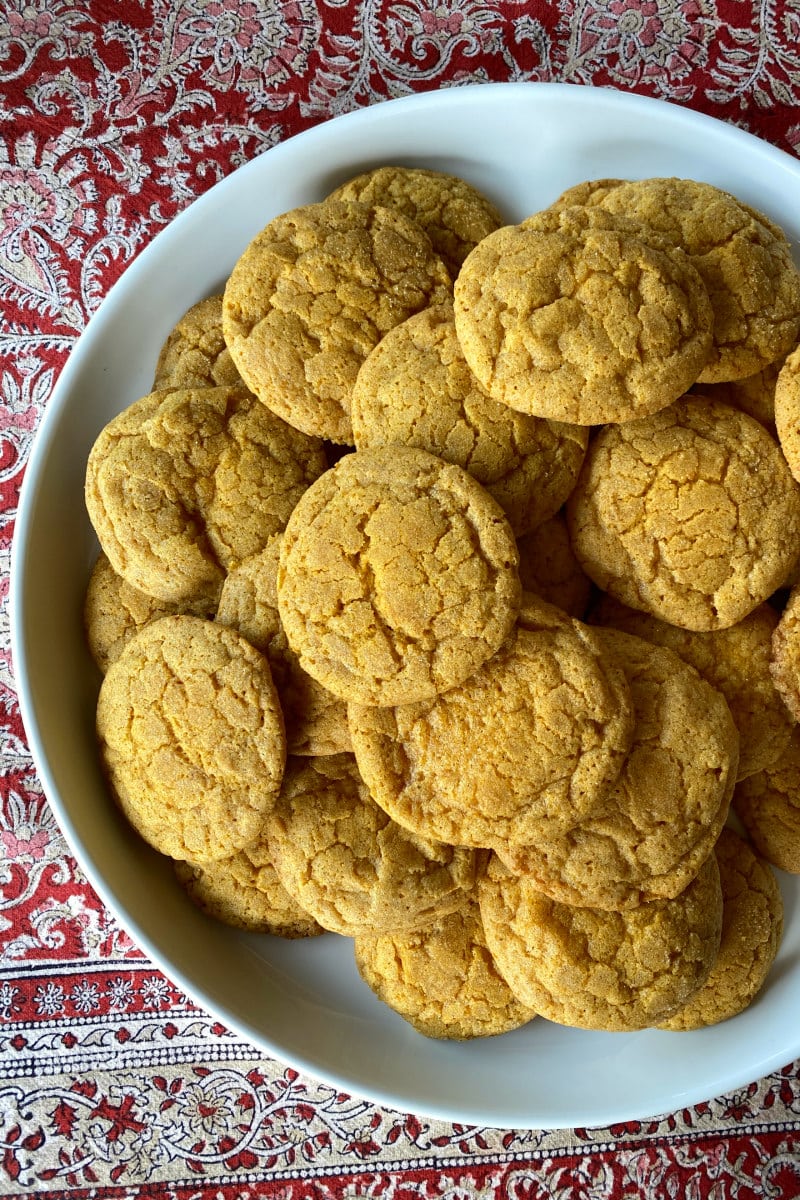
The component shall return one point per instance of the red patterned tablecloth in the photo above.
(114, 117)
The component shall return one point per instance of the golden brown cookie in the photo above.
(454, 214)
(113, 612)
(691, 514)
(768, 805)
(244, 891)
(538, 735)
(195, 354)
(660, 821)
(313, 293)
(572, 317)
(398, 577)
(316, 720)
(755, 394)
(548, 567)
(785, 657)
(602, 970)
(191, 737)
(787, 410)
(752, 926)
(415, 389)
(348, 864)
(736, 661)
(184, 484)
(442, 979)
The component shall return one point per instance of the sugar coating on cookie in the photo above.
(787, 410)
(313, 293)
(664, 814)
(754, 394)
(537, 735)
(194, 354)
(348, 864)
(785, 655)
(415, 389)
(571, 317)
(768, 805)
(442, 979)
(752, 926)
(316, 720)
(736, 661)
(398, 577)
(592, 969)
(690, 514)
(548, 567)
(454, 214)
(192, 738)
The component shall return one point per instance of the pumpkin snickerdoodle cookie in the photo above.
(398, 577)
(415, 389)
(768, 805)
(602, 970)
(442, 979)
(785, 658)
(537, 736)
(573, 317)
(690, 514)
(548, 567)
(195, 354)
(787, 410)
(313, 293)
(348, 864)
(192, 738)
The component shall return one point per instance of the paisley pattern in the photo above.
(115, 117)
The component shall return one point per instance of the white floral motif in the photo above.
(9, 1005)
(27, 25)
(49, 999)
(85, 996)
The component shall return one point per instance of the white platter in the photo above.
(302, 1002)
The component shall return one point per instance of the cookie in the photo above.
(348, 864)
(570, 317)
(736, 661)
(313, 293)
(316, 720)
(537, 736)
(755, 394)
(768, 805)
(415, 389)
(453, 213)
(442, 979)
(398, 577)
(191, 737)
(194, 354)
(787, 410)
(785, 654)
(613, 971)
(184, 484)
(660, 821)
(244, 891)
(691, 514)
(752, 926)
(548, 567)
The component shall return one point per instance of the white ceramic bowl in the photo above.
(303, 1002)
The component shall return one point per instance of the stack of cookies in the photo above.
(444, 599)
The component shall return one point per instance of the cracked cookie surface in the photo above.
(602, 970)
(785, 655)
(398, 577)
(690, 514)
(415, 389)
(313, 293)
(768, 805)
(787, 410)
(548, 567)
(194, 354)
(192, 738)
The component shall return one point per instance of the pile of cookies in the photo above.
(442, 598)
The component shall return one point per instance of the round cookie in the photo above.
(572, 317)
(743, 258)
(313, 293)
(184, 484)
(736, 661)
(191, 737)
(398, 577)
(602, 970)
(787, 410)
(768, 805)
(195, 354)
(537, 736)
(454, 214)
(415, 389)
(442, 979)
(244, 891)
(548, 567)
(348, 864)
(752, 925)
(660, 821)
(316, 720)
(785, 657)
(691, 514)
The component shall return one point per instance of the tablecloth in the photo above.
(115, 115)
